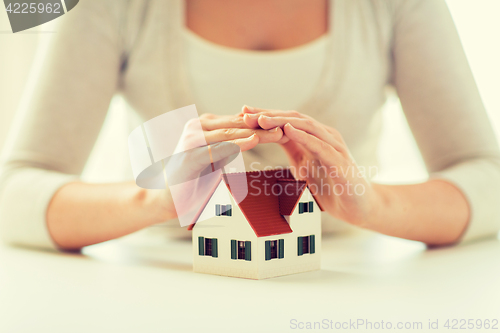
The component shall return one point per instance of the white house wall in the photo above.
(307, 223)
(302, 225)
(224, 228)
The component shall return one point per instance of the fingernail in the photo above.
(249, 108)
(252, 116)
(274, 130)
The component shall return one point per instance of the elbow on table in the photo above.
(479, 180)
(24, 196)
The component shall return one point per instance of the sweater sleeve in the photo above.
(444, 109)
(57, 131)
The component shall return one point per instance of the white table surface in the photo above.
(125, 286)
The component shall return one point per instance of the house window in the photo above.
(306, 244)
(207, 247)
(223, 210)
(241, 250)
(275, 249)
(306, 207)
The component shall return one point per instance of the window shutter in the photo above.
(217, 210)
(311, 207)
(268, 250)
(301, 207)
(201, 246)
(299, 246)
(215, 254)
(233, 249)
(248, 250)
(312, 244)
(281, 248)
(229, 210)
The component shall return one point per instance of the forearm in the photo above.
(434, 212)
(84, 214)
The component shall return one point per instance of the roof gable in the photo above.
(260, 206)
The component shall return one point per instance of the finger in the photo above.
(247, 143)
(284, 139)
(310, 126)
(251, 109)
(224, 149)
(322, 150)
(265, 136)
(271, 112)
(251, 120)
(210, 122)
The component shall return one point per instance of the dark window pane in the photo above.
(305, 244)
(241, 250)
(208, 246)
(223, 210)
(274, 249)
(306, 206)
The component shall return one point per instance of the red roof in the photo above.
(271, 194)
(291, 192)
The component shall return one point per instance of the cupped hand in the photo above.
(319, 155)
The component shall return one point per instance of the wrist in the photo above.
(379, 202)
(157, 205)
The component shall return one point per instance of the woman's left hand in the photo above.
(319, 155)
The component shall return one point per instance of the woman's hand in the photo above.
(319, 155)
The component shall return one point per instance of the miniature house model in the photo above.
(275, 230)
